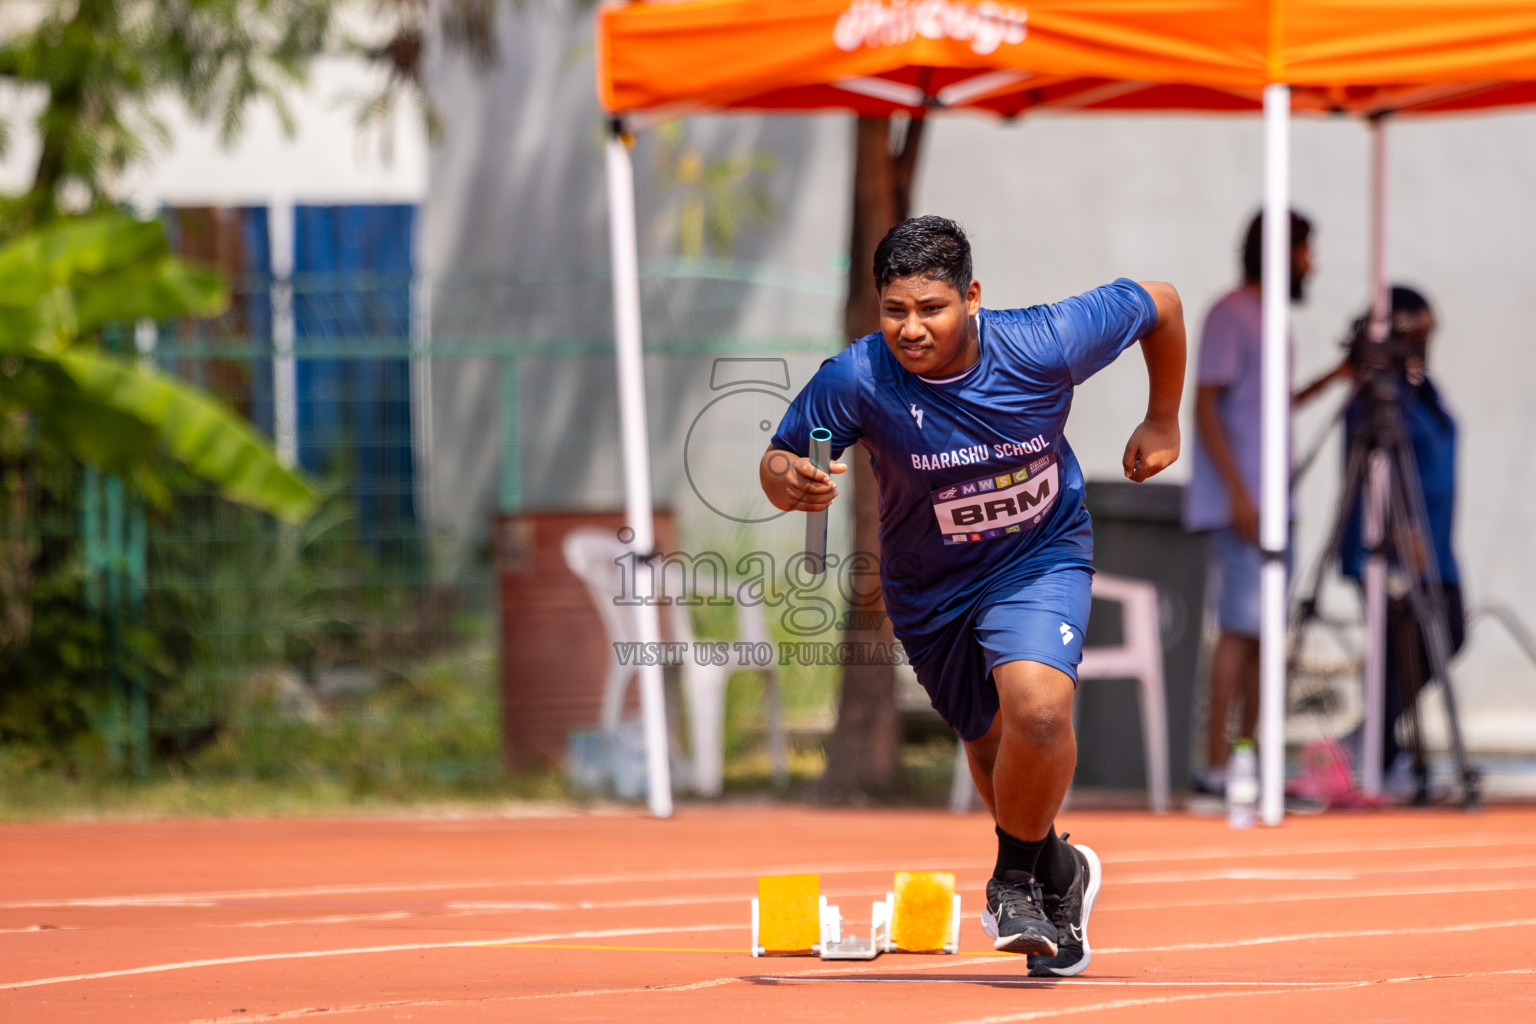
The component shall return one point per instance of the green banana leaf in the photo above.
(59, 287)
(196, 430)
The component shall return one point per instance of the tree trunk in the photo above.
(865, 747)
(67, 99)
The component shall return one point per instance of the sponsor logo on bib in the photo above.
(997, 506)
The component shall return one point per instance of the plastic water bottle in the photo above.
(1242, 785)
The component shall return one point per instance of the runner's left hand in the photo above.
(1153, 447)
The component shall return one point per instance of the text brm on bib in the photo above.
(1009, 501)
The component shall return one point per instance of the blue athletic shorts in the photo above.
(1238, 566)
(1040, 619)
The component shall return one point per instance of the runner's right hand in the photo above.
(794, 484)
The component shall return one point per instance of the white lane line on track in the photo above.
(429, 917)
(1522, 839)
(394, 915)
(1359, 933)
(207, 899)
(1120, 1004)
(1305, 897)
(1525, 840)
(989, 979)
(660, 901)
(400, 1004)
(1302, 875)
(223, 961)
(740, 898)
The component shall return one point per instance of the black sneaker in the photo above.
(1069, 913)
(1015, 917)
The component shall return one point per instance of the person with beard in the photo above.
(1222, 499)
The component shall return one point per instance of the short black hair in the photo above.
(1408, 301)
(932, 247)
(1406, 305)
(1253, 243)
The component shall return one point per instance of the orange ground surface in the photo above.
(1358, 918)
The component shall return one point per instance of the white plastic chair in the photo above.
(593, 556)
(704, 689)
(1138, 656)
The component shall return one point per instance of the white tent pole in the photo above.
(285, 415)
(1374, 502)
(1274, 526)
(633, 439)
(1379, 311)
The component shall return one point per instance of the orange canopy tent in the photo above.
(876, 57)
(1367, 58)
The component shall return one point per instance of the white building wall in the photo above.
(325, 160)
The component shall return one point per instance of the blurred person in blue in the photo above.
(1222, 498)
(1431, 430)
(986, 547)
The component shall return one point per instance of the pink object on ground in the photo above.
(1328, 778)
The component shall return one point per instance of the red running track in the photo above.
(613, 916)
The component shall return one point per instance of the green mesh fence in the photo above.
(228, 641)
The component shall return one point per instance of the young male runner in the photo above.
(986, 547)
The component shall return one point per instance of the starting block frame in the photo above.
(790, 917)
(851, 947)
(783, 903)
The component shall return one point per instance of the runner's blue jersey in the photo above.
(978, 487)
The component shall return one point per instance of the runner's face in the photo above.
(927, 324)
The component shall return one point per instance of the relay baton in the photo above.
(816, 522)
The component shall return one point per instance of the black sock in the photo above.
(1017, 856)
(1056, 867)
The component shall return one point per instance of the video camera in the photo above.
(1400, 354)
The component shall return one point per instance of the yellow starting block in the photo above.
(921, 914)
(790, 917)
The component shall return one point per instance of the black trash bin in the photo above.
(1137, 533)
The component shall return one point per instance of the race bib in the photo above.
(1005, 503)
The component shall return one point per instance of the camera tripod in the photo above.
(1380, 466)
